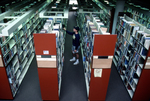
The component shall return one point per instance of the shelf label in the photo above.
(45, 52)
(97, 72)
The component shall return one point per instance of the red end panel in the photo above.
(149, 53)
(48, 83)
(98, 86)
(142, 92)
(0, 51)
(104, 45)
(5, 90)
(45, 42)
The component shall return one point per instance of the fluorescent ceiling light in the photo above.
(106, 1)
(57, 1)
(71, 2)
(74, 7)
(53, 6)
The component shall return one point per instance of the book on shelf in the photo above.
(144, 51)
(131, 48)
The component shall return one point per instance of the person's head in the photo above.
(76, 29)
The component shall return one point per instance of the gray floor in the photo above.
(73, 84)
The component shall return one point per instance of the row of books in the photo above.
(127, 47)
(81, 24)
(18, 32)
(134, 32)
(17, 48)
(54, 25)
(15, 67)
(83, 20)
(130, 52)
(60, 47)
(20, 47)
(139, 17)
(105, 17)
(89, 29)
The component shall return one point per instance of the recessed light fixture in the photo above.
(53, 6)
(71, 2)
(74, 8)
(106, 1)
(57, 1)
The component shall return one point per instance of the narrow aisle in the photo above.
(73, 87)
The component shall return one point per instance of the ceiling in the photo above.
(142, 3)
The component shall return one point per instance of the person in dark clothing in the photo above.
(75, 44)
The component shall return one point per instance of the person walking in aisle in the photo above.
(75, 44)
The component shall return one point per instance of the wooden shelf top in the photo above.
(46, 63)
(1, 62)
(102, 63)
(147, 65)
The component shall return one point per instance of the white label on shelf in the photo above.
(95, 57)
(97, 72)
(45, 52)
(110, 57)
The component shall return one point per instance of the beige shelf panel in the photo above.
(102, 63)
(148, 60)
(46, 62)
(1, 62)
(147, 65)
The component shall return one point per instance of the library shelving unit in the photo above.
(94, 37)
(99, 84)
(17, 47)
(90, 7)
(45, 50)
(107, 16)
(131, 57)
(139, 14)
(57, 9)
(49, 49)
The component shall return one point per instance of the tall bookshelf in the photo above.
(139, 14)
(50, 57)
(93, 34)
(131, 57)
(17, 49)
(107, 16)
